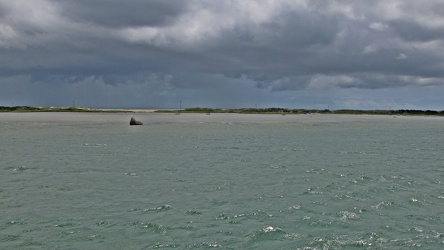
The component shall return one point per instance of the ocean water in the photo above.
(224, 181)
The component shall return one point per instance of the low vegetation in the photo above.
(282, 111)
(53, 109)
(307, 111)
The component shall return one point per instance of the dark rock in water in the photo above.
(135, 122)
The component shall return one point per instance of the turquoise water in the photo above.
(225, 181)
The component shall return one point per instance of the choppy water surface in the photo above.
(228, 181)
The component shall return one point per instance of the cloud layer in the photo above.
(221, 53)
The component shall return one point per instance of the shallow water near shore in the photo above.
(226, 181)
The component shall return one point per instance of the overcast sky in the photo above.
(379, 54)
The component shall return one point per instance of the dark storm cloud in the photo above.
(117, 13)
(175, 47)
(411, 31)
(278, 46)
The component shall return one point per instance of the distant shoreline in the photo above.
(24, 109)
(282, 111)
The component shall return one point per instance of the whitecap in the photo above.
(295, 207)
(346, 215)
(268, 229)
(159, 208)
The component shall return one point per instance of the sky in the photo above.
(335, 54)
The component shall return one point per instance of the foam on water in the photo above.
(90, 181)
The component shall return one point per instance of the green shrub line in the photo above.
(22, 109)
(283, 111)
